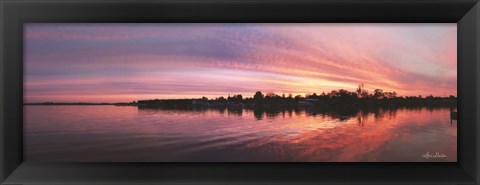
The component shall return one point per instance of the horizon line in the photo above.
(192, 98)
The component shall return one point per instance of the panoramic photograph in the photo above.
(249, 92)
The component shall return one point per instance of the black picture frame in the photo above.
(13, 170)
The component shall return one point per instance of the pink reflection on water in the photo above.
(110, 133)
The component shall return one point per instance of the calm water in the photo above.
(111, 133)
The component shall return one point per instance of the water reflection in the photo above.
(341, 114)
(110, 133)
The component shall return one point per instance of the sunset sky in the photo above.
(128, 62)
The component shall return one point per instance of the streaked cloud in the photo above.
(126, 62)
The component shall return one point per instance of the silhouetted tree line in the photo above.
(336, 99)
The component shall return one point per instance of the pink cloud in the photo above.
(154, 60)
